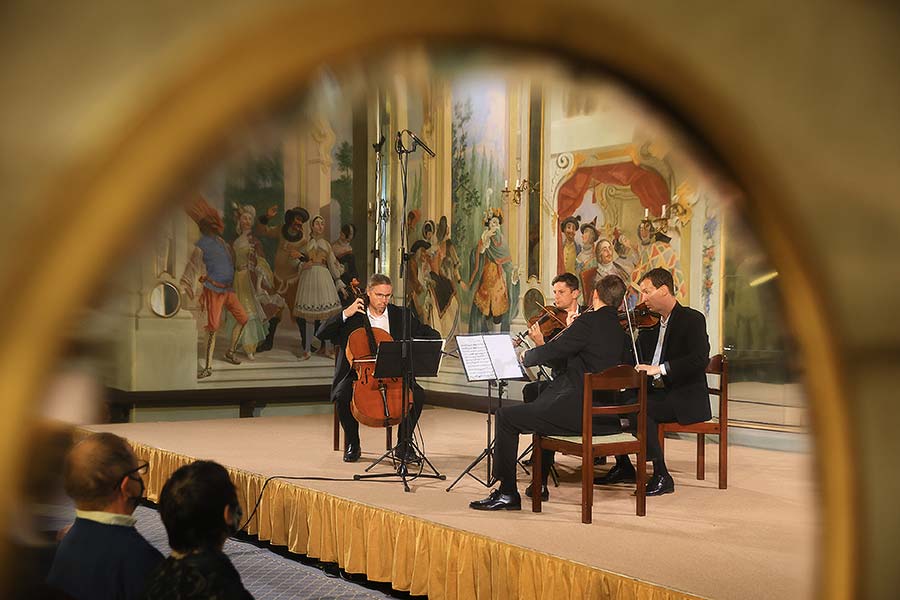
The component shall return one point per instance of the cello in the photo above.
(376, 402)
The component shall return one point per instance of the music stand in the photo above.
(491, 358)
(426, 356)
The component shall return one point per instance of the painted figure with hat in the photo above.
(290, 253)
(493, 279)
(212, 263)
(570, 248)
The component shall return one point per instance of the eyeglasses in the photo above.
(141, 470)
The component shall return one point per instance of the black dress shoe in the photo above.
(545, 493)
(498, 501)
(352, 452)
(660, 484)
(618, 474)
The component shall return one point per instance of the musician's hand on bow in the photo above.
(358, 306)
(534, 332)
(651, 370)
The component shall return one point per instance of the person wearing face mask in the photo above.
(199, 508)
(102, 555)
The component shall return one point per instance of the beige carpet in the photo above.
(757, 539)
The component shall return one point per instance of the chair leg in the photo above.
(701, 456)
(723, 457)
(337, 430)
(536, 459)
(641, 489)
(587, 488)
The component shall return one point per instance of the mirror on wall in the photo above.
(165, 299)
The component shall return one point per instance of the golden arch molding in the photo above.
(173, 136)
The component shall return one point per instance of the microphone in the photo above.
(377, 145)
(424, 146)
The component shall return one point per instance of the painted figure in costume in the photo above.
(444, 282)
(254, 285)
(586, 260)
(656, 250)
(606, 263)
(419, 272)
(571, 248)
(343, 251)
(288, 255)
(212, 263)
(419, 277)
(493, 279)
(319, 281)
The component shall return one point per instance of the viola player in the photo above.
(382, 314)
(674, 353)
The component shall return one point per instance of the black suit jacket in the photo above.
(685, 353)
(593, 342)
(336, 330)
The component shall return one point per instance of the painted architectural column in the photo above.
(319, 143)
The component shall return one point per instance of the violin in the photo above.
(551, 320)
(376, 402)
(640, 317)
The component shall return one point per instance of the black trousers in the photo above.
(351, 425)
(510, 423)
(658, 411)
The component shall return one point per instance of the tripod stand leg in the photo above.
(472, 465)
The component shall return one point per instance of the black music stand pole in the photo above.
(425, 362)
(488, 452)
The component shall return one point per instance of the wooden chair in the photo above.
(388, 432)
(718, 365)
(588, 445)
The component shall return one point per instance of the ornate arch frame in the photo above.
(155, 154)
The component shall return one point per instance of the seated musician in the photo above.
(675, 354)
(565, 296)
(337, 329)
(593, 342)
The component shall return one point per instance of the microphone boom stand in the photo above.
(406, 440)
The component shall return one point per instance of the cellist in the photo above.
(384, 315)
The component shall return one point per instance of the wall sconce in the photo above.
(521, 187)
(661, 223)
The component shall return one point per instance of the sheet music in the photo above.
(487, 357)
(503, 356)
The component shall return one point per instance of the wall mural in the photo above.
(600, 205)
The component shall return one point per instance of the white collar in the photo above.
(107, 518)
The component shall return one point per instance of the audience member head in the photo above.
(101, 473)
(199, 507)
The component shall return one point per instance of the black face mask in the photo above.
(137, 499)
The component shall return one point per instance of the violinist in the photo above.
(674, 353)
(389, 317)
(593, 342)
(565, 297)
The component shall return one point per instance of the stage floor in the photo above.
(757, 539)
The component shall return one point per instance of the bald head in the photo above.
(95, 468)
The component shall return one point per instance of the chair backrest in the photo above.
(618, 378)
(718, 365)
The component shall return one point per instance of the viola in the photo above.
(640, 317)
(376, 402)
